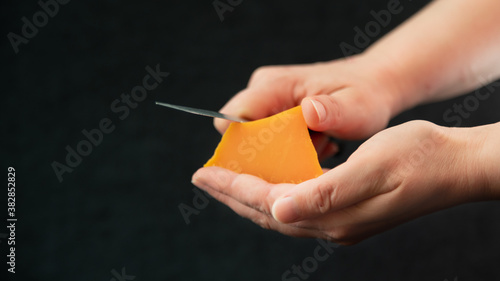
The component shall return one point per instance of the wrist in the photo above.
(478, 161)
(394, 90)
(488, 157)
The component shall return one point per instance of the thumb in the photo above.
(344, 114)
(339, 188)
(256, 103)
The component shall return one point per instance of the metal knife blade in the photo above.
(203, 112)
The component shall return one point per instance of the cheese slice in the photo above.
(277, 149)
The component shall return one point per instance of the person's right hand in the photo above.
(351, 98)
(399, 174)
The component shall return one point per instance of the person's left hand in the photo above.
(400, 173)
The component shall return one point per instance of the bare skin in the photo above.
(400, 173)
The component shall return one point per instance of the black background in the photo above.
(119, 207)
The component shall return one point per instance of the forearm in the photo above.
(447, 49)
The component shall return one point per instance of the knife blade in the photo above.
(203, 112)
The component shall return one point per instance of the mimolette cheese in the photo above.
(277, 149)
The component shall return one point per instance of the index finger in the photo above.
(259, 101)
(249, 190)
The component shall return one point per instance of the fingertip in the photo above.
(314, 112)
(203, 174)
(309, 112)
(197, 178)
(197, 174)
(221, 125)
(285, 210)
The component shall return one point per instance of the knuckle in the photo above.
(262, 221)
(262, 73)
(221, 178)
(334, 111)
(323, 198)
(421, 125)
(269, 73)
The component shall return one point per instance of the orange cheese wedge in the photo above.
(277, 149)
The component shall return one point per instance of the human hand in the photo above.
(400, 173)
(349, 98)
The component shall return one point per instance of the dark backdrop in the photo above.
(117, 212)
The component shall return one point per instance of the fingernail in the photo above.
(197, 181)
(320, 110)
(285, 210)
